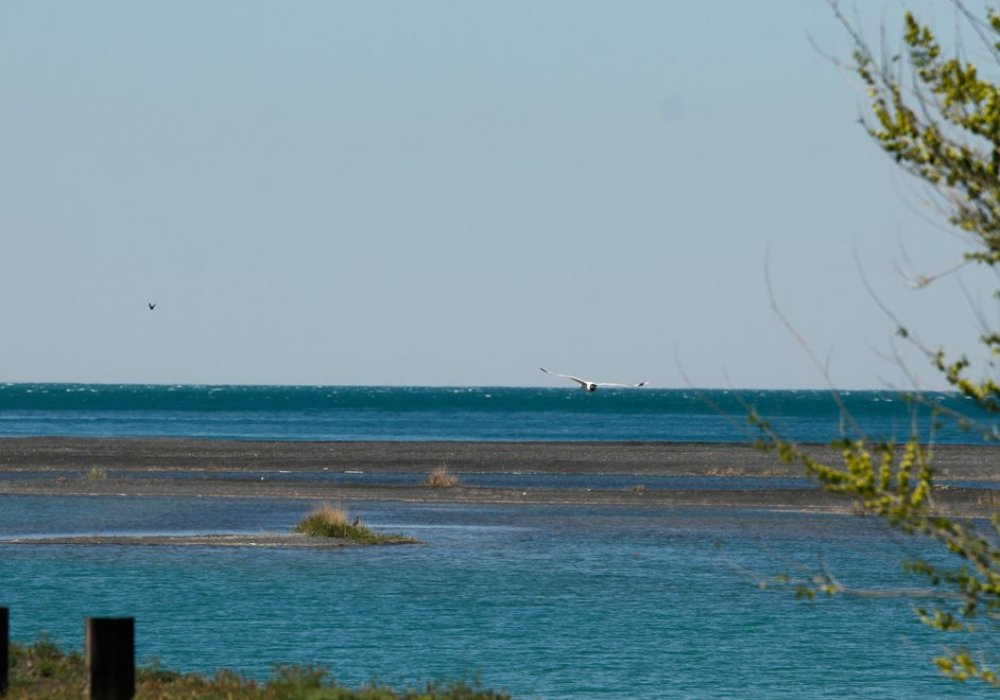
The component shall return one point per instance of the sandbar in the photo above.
(40, 465)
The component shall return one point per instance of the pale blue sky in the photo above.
(449, 193)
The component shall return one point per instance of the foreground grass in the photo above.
(42, 670)
(331, 521)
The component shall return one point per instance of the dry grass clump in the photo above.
(327, 516)
(742, 471)
(725, 471)
(96, 474)
(333, 521)
(987, 498)
(441, 478)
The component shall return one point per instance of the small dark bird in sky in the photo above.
(152, 305)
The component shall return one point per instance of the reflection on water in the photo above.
(552, 602)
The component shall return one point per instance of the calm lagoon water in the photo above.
(549, 602)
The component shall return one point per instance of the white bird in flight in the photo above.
(588, 385)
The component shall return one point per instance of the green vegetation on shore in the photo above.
(331, 521)
(42, 670)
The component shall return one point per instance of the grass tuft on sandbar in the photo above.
(440, 477)
(332, 521)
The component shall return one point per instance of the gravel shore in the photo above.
(698, 459)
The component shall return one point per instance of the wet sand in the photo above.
(32, 460)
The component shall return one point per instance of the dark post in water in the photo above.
(4, 655)
(110, 652)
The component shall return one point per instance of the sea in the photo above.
(371, 413)
(542, 601)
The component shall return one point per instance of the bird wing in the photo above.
(630, 386)
(581, 382)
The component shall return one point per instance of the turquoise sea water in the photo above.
(545, 601)
(449, 413)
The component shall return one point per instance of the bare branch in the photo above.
(980, 28)
(823, 368)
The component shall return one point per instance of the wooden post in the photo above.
(4, 650)
(110, 653)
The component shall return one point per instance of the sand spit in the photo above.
(208, 540)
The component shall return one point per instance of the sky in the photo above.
(456, 193)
